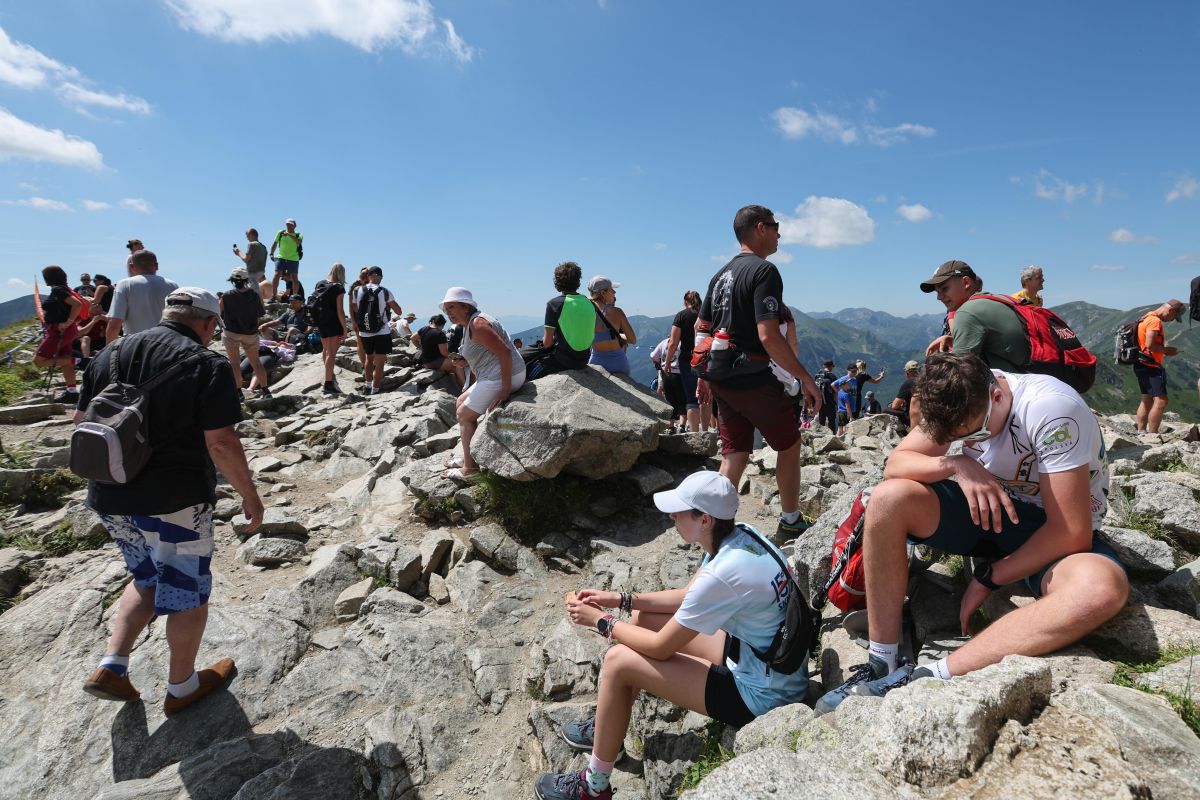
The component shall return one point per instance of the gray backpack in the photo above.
(112, 443)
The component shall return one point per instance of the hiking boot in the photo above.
(902, 676)
(330, 387)
(68, 399)
(262, 394)
(108, 685)
(580, 735)
(873, 670)
(566, 786)
(788, 531)
(215, 676)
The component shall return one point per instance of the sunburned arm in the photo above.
(415, 340)
(227, 454)
(548, 338)
(394, 306)
(919, 458)
(1066, 498)
(113, 329)
(897, 405)
(622, 325)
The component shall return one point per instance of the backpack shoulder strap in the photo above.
(114, 360)
(600, 313)
(999, 298)
(744, 528)
(170, 372)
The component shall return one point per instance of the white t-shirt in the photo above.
(383, 298)
(1050, 429)
(743, 592)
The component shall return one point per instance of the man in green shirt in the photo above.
(287, 264)
(987, 328)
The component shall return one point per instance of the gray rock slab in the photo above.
(1140, 632)
(1145, 557)
(1173, 506)
(695, 443)
(13, 574)
(435, 547)
(270, 552)
(776, 729)
(1181, 589)
(350, 601)
(494, 544)
(774, 773)
(649, 478)
(1181, 678)
(1156, 743)
(277, 522)
(547, 720)
(26, 414)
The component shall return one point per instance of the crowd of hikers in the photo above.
(1024, 497)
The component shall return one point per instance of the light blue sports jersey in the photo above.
(743, 592)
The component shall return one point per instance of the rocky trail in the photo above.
(395, 640)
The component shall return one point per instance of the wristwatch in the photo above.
(983, 574)
(605, 624)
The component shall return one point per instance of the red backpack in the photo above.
(846, 586)
(1054, 349)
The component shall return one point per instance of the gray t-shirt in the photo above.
(256, 257)
(140, 301)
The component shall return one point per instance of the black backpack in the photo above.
(369, 316)
(800, 633)
(111, 445)
(1194, 302)
(1126, 349)
(316, 309)
(825, 384)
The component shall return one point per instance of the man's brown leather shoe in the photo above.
(108, 685)
(213, 677)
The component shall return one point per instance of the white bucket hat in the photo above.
(458, 294)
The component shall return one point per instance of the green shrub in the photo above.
(48, 488)
(1129, 674)
(713, 756)
(531, 509)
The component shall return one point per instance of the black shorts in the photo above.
(1151, 380)
(722, 700)
(328, 330)
(956, 533)
(843, 419)
(379, 345)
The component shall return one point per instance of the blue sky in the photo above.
(482, 143)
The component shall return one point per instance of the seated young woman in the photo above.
(679, 644)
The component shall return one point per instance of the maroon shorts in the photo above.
(57, 344)
(766, 407)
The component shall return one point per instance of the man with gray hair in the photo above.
(1032, 282)
(162, 519)
(138, 300)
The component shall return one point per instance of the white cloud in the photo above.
(782, 257)
(418, 268)
(1186, 186)
(1049, 186)
(19, 284)
(1126, 236)
(660, 245)
(915, 212)
(136, 204)
(827, 222)
(796, 123)
(21, 139)
(96, 205)
(77, 96)
(369, 25)
(879, 198)
(39, 204)
(27, 68)
(886, 137)
(1107, 267)
(1014, 180)
(1186, 258)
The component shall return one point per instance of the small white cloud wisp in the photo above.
(915, 213)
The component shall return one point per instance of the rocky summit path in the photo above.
(394, 642)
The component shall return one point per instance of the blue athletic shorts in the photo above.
(956, 533)
(170, 552)
(287, 267)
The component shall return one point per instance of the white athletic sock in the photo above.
(184, 688)
(886, 653)
(790, 517)
(115, 662)
(942, 668)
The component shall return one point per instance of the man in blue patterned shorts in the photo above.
(162, 519)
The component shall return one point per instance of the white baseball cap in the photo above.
(710, 492)
(195, 297)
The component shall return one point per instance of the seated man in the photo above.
(291, 327)
(1031, 491)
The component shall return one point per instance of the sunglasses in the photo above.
(773, 225)
(983, 433)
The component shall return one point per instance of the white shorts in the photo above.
(482, 393)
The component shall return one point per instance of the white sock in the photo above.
(941, 668)
(886, 653)
(184, 688)
(790, 517)
(111, 660)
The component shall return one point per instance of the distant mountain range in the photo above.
(887, 341)
(15, 310)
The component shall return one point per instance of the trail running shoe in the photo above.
(68, 399)
(903, 675)
(566, 786)
(580, 735)
(788, 531)
(873, 670)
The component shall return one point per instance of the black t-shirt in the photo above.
(455, 337)
(563, 352)
(905, 392)
(432, 340)
(743, 293)
(330, 300)
(295, 319)
(201, 398)
(106, 303)
(685, 320)
(55, 308)
(240, 311)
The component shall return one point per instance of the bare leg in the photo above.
(468, 420)
(1143, 411)
(1156, 412)
(185, 629)
(898, 508)
(693, 419)
(233, 352)
(329, 348)
(134, 612)
(260, 374)
(733, 465)
(1082, 592)
(787, 477)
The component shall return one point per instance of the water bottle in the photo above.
(721, 340)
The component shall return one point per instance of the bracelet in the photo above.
(626, 604)
(605, 626)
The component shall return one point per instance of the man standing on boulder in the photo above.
(1029, 494)
(162, 519)
(1151, 373)
(287, 265)
(745, 299)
